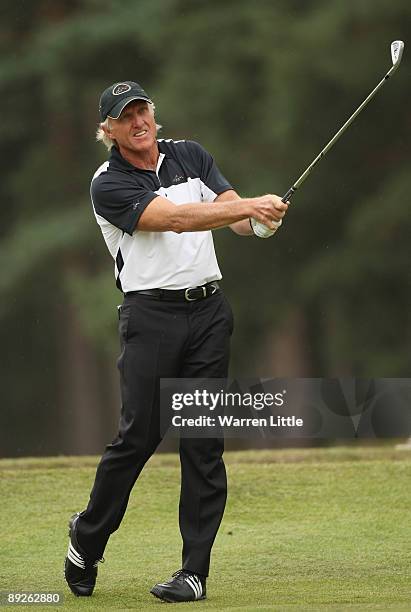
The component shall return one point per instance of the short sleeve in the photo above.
(120, 202)
(210, 175)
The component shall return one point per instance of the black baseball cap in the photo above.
(117, 96)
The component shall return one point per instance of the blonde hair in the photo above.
(101, 135)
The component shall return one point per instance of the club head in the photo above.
(397, 48)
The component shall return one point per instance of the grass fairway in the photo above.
(323, 529)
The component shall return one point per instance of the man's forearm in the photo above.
(208, 216)
(161, 215)
(243, 227)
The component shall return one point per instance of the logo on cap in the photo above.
(120, 88)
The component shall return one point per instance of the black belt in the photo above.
(191, 294)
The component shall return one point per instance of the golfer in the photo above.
(156, 201)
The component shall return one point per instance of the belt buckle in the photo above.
(190, 299)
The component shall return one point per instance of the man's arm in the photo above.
(162, 215)
(243, 227)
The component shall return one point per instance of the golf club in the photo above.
(397, 48)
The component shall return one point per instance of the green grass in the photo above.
(309, 529)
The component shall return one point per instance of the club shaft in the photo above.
(328, 146)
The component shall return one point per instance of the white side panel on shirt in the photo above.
(164, 259)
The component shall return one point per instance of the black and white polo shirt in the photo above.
(146, 260)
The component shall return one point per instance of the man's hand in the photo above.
(261, 230)
(243, 228)
(268, 209)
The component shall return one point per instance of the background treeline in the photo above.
(262, 85)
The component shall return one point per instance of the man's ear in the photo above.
(106, 129)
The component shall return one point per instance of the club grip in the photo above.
(287, 197)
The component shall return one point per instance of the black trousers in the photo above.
(163, 339)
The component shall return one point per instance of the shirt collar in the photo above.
(118, 160)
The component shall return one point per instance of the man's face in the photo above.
(135, 129)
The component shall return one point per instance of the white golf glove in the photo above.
(261, 230)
